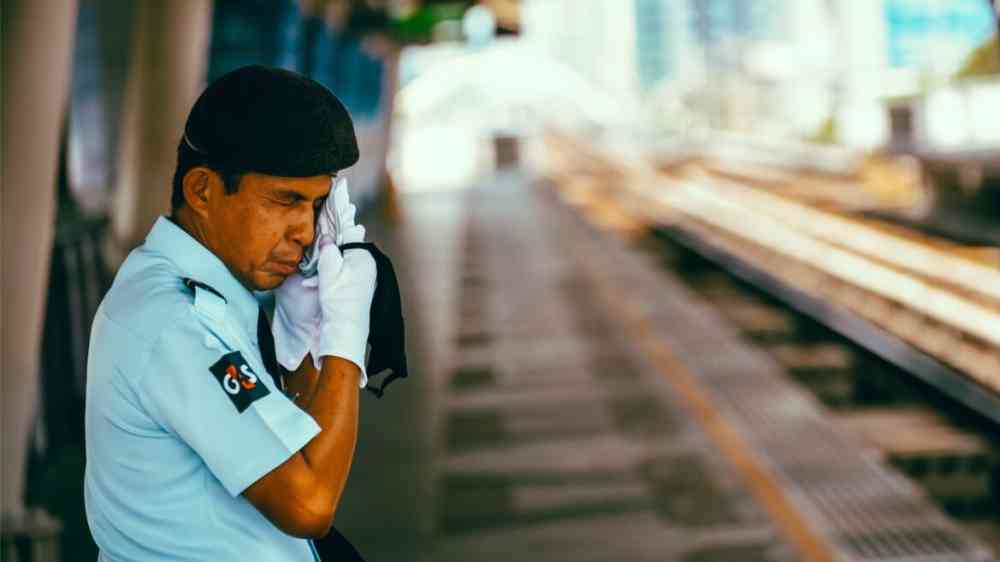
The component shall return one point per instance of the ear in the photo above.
(198, 189)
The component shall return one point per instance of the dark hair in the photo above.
(188, 158)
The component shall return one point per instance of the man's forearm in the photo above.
(333, 403)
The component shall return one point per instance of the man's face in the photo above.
(261, 230)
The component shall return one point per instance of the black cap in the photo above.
(272, 121)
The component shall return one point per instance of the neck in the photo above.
(188, 222)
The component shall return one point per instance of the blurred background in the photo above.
(821, 176)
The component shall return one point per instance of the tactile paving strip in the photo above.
(553, 436)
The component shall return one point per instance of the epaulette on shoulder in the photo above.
(207, 300)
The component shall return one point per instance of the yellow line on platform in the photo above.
(767, 491)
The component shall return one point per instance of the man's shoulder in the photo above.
(148, 297)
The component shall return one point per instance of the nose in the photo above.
(303, 230)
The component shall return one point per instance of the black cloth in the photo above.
(335, 547)
(386, 332)
(272, 121)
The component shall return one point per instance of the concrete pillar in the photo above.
(37, 43)
(170, 43)
(390, 85)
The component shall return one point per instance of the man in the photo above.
(195, 448)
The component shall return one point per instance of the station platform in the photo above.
(572, 400)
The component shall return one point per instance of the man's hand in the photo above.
(346, 283)
(346, 287)
(296, 319)
(338, 215)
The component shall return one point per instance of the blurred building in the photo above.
(654, 45)
(796, 68)
(596, 38)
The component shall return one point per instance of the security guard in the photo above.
(197, 448)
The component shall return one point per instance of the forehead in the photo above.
(312, 186)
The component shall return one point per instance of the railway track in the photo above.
(890, 304)
(936, 297)
(944, 306)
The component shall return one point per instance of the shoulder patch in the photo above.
(238, 381)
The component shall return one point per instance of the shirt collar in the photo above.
(200, 264)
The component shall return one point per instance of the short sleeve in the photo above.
(227, 411)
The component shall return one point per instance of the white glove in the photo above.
(340, 219)
(346, 283)
(346, 288)
(296, 319)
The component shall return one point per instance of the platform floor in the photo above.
(570, 400)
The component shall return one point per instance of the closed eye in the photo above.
(288, 198)
(293, 198)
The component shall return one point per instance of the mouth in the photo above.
(285, 267)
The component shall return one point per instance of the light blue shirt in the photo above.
(181, 415)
